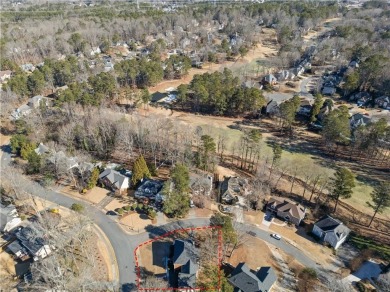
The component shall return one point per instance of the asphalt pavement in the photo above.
(124, 244)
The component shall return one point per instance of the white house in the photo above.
(30, 242)
(9, 218)
(331, 231)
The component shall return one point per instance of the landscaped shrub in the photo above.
(140, 206)
(77, 207)
(127, 208)
(152, 214)
(120, 211)
(134, 206)
(360, 286)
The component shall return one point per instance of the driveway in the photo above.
(124, 244)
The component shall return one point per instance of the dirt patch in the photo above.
(248, 253)
(4, 139)
(115, 204)
(135, 222)
(95, 195)
(152, 256)
(224, 171)
(254, 217)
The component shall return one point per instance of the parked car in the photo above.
(276, 236)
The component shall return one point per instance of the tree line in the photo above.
(219, 93)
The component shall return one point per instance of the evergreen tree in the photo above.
(381, 199)
(93, 179)
(34, 163)
(206, 151)
(342, 185)
(315, 110)
(140, 170)
(181, 178)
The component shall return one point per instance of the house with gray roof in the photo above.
(246, 280)
(42, 149)
(114, 180)
(149, 189)
(231, 188)
(359, 120)
(331, 230)
(201, 184)
(286, 209)
(30, 242)
(9, 218)
(36, 101)
(185, 263)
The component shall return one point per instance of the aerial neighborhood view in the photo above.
(195, 145)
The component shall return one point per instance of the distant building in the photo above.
(36, 101)
(9, 218)
(42, 149)
(20, 112)
(246, 280)
(331, 231)
(270, 79)
(4, 75)
(359, 120)
(27, 67)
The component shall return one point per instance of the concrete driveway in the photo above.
(367, 270)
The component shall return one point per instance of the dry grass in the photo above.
(249, 253)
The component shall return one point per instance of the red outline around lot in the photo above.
(169, 233)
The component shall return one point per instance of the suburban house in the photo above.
(42, 149)
(201, 184)
(270, 79)
(27, 67)
(359, 120)
(286, 209)
(22, 111)
(95, 51)
(383, 102)
(331, 230)
(305, 107)
(59, 159)
(114, 180)
(30, 242)
(185, 263)
(246, 280)
(272, 108)
(328, 90)
(36, 101)
(149, 189)
(9, 218)
(285, 75)
(4, 75)
(231, 188)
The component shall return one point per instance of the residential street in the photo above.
(124, 244)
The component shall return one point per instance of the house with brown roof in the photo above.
(286, 209)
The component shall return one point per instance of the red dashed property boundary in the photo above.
(138, 269)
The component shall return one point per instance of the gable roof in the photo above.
(31, 239)
(186, 255)
(232, 186)
(148, 188)
(116, 179)
(247, 280)
(330, 224)
(287, 206)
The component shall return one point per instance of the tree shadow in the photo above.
(128, 287)
(6, 148)
(160, 251)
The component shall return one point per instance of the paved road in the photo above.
(124, 244)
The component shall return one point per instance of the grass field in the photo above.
(307, 162)
(366, 243)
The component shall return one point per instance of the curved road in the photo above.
(124, 244)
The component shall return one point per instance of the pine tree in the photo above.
(381, 199)
(140, 170)
(342, 184)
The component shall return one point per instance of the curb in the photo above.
(114, 264)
